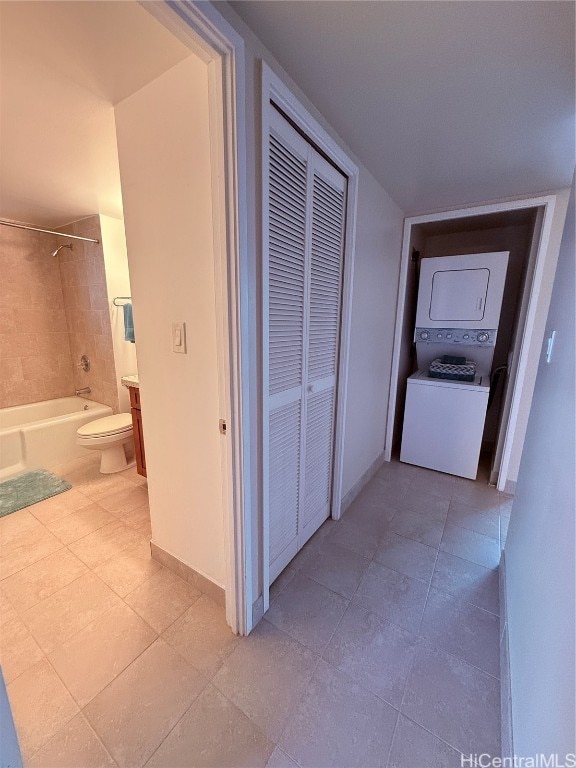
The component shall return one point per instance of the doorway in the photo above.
(528, 229)
(218, 533)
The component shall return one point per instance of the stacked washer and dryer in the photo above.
(457, 318)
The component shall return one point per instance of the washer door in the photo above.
(443, 427)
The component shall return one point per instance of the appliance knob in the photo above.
(448, 335)
(482, 337)
(439, 335)
(466, 336)
(424, 335)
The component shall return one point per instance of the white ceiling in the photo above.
(63, 65)
(446, 103)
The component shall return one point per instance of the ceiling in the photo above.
(446, 103)
(63, 66)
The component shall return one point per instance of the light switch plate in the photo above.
(179, 338)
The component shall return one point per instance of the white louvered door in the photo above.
(324, 301)
(302, 289)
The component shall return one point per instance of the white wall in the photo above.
(375, 290)
(164, 153)
(378, 232)
(118, 284)
(540, 552)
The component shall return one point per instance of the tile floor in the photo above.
(380, 647)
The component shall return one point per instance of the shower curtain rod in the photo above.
(48, 232)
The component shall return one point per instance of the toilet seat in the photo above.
(107, 427)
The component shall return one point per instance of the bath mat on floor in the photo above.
(22, 491)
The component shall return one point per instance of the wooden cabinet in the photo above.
(138, 433)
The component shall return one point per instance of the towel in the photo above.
(452, 360)
(128, 323)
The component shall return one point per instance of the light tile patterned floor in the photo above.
(380, 647)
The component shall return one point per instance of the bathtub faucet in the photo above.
(83, 391)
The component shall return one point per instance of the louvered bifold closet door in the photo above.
(284, 327)
(324, 300)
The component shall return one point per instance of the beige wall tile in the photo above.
(32, 302)
(88, 314)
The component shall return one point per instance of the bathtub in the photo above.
(42, 435)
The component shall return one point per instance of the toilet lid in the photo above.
(109, 425)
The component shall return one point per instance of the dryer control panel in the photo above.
(464, 336)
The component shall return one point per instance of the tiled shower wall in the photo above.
(88, 312)
(35, 359)
(52, 311)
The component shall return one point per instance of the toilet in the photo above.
(108, 435)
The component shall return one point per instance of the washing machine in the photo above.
(444, 423)
(457, 317)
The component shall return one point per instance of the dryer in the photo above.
(458, 312)
(459, 303)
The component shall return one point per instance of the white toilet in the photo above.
(108, 435)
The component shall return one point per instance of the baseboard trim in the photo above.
(507, 739)
(510, 487)
(257, 610)
(363, 481)
(187, 573)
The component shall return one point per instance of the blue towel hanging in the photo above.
(128, 323)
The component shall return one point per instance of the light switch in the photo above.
(179, 338)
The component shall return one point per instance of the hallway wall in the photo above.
(540, 550)
(375, 290)
(164, 154)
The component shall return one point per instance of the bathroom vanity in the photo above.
(134, 388)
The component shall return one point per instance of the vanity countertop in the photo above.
(130, 381)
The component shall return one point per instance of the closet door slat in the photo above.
(286, 267)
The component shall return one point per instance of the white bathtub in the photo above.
(41, 435)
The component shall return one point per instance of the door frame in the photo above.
(217, 43)
(275, 90)
(529, 337)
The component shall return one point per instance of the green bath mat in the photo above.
(22, 491)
